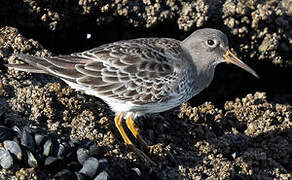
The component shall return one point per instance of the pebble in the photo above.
(6, 160)
(31, 160)
(47, 147)
(27, 139)
(37, 148)
(39, 139)
(13, 148)
(102, 176)
(17, 130)
(61, 151)
(136, 171)
(82, 155)
(89, 167)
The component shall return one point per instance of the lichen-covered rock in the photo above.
(263, 28)
(251, 132)
(260, 29)
(247, 137)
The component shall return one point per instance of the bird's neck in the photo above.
(199, 68)
(194, 82)
(202, 76)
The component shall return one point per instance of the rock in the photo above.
(6, 160)
(102, 176)
(13, 148)
(27, 140)
(82, 155)
(31, 160)
(89, 167)
(47, 147)
(39, 139)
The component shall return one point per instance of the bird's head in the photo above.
(211, 47)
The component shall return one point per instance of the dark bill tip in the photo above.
(231, 58)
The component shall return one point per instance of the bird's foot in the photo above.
(128, 142)
(141, 154)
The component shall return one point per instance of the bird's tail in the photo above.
(34, 64)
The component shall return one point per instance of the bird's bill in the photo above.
(231, 58)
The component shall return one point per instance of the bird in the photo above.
(140, 76)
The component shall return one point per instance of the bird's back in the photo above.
(138, 72)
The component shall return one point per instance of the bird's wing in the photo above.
(139, 71)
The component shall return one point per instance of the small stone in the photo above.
(27, 139)
(61, 151)
(17, 130)
(233, 155)
(89, 167)
(31, 160)
(38, 138)
(136, 171)
(47, 147)
(6, 160)
(102, 176)
(82, 155)
(13, 148)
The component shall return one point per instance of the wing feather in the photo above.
(83, 70)
(137, 70)
(63, 73)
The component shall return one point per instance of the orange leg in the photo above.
(118, 123)
(128, 142)
(131, 126)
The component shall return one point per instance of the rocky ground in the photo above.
(238, 128)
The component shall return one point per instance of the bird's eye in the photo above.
(210, 43)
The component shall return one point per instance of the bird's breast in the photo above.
(191, 85)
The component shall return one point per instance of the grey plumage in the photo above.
(139, 76)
